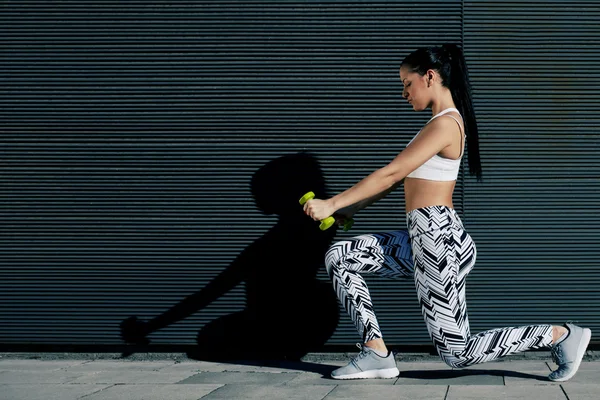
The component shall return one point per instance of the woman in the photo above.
(436, 251)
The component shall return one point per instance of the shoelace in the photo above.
(556, 353)
(362, 353)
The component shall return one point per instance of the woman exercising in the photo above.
(436, 251)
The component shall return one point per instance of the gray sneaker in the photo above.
(568, 353)
(368, 364)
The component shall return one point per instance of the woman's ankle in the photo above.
(377, 344)
(558, 332)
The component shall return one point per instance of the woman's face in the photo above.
(415, 89)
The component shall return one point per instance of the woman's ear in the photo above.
(430, 77)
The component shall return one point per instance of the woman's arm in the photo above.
(356, 207)
(432, 139)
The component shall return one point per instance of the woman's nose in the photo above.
(405, 94)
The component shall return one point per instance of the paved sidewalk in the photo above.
(101, 378)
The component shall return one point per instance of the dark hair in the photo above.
(449, 61)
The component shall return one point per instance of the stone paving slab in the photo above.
(103, 365)
(253, 368)
(263, 378)
(268, 392)
(154, 392)
(195, 367)
(527, 378)
(527, 374)
(584, 375)
(582, 391)
(133, 377)
(37, 365)
(31, 391)
(473, 392)
(338, 363)
(367, 391)
(159, 379)
(57, 377)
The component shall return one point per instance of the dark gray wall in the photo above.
(131, 132)
(534, 67)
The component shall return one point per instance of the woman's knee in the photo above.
(333, 257)
(455, 362)
(453, 359)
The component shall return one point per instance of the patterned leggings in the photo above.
(439, 255)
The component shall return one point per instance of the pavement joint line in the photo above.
(447, 391)
(213, 391)
(328, 393)
(564, 391)
(97, 391)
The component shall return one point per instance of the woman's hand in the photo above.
(344, 214)
(318, 209)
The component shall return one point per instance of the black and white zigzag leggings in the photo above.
(439, 254)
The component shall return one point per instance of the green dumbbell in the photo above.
(329, 221)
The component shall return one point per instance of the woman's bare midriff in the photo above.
(419, 193)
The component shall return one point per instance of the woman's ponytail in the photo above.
(460, 87)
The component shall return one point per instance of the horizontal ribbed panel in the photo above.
(535, 218)
(131, 131)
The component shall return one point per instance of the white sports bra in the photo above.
(439, 168)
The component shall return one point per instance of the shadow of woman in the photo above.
(288, 311)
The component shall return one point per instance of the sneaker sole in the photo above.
(372, 374)
(585, 340)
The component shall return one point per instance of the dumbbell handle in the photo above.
(329, 221)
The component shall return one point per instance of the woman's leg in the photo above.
(443, 257)
(385, 254)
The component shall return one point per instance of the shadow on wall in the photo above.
(288, 312)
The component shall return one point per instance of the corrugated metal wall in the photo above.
(131, 132)
(534, 67)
